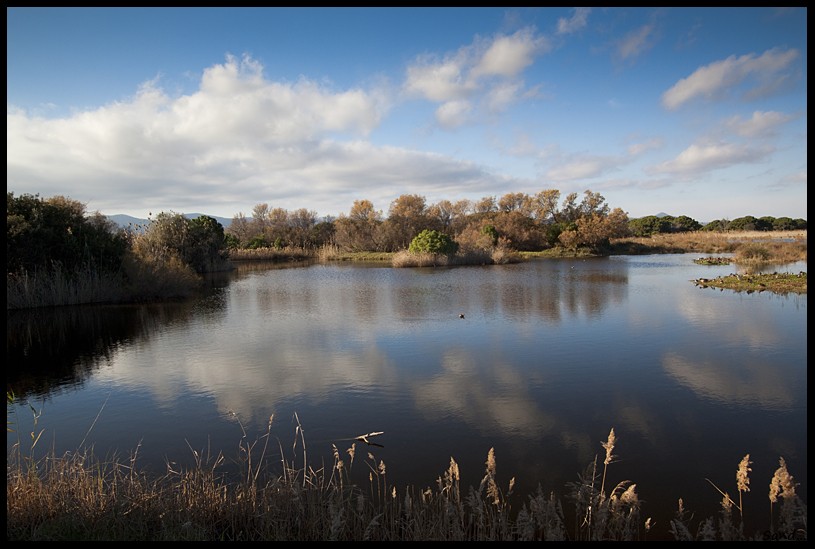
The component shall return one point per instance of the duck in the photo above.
(461, 315)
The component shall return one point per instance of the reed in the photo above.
(56, 286)
(78, 497)
(747, 246)
(288, 253)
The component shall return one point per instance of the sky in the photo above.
(686, 111)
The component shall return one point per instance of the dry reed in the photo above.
(76, 497)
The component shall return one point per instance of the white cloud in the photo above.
(453, 114)
(484, 72)
(761, 124)
(636, 149)
(576, 22)
(239, 140)
(582, 168)
(502, 95)
(635, 42)
(766, 71)
(698, 159)
(793, 179)
(441, 81)
(509, 55)
(585, 166)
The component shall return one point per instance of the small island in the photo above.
(781, 283)
(711, 260)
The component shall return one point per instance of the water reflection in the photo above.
(53, 347)
(749, 384)
(550, 355)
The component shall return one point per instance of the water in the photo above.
(550, 355)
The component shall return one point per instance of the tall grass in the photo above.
(142, 277)
(747, 246)
(499, 255)
(288, 253)
(56, 286)
(77, 497)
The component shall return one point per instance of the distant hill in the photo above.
(123, 220)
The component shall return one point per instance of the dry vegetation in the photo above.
(780, 246)
(77, 498)
(780, 283)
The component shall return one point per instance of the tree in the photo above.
(198, 243)
(648, 225)
(441, 214)
(406, 217)
(515, 202)
(746, 223)
(544, 206)
(595, 231)
(684, 224)
(206, 246)
(486, 204)
(240, 230)
(434, 242)
(717, 225)
(56, 232)
(783, 224)
(358, 231)
(593, 204)
(570, 211)
(301, 222)
(363, 210)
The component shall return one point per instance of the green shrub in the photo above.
(433, 242)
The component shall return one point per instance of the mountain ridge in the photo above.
(124, 220)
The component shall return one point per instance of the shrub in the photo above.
(433, 242)
(752, 253)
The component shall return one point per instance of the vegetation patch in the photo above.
(75, 497)
(710, 260)
(781, 283)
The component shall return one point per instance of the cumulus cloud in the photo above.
(574, 23)
(761, 75)
(485, 72)
(238, 140)
(509, 55)
(439, 80)
(700, 158)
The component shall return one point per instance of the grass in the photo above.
(76, 497)
(780, 283)
(289, 253)
(777, 246)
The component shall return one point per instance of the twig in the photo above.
(364, 438)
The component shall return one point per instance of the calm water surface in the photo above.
(550, 355)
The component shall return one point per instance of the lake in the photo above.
(549, 356)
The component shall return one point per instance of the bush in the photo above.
(752, 253)
(433, 242)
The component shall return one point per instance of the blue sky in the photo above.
(689, 111)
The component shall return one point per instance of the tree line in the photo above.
(519, 221)
(56, 235)
(58, 254)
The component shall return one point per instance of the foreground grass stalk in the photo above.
(76, 497)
